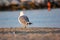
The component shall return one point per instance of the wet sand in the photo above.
(29, 33)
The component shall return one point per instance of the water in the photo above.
(39, 18)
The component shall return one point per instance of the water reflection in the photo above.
(39, 18)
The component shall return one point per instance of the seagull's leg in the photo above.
(25, 27)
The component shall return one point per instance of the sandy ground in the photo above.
(29, 33)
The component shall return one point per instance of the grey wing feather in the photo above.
(24, 19)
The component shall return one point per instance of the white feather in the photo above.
(21, 14)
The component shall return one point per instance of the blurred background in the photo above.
(42, 13)
(27, 4)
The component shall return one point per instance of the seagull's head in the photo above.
(21, 13)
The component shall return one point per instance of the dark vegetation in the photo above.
(29, 5)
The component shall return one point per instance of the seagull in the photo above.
(23, 19)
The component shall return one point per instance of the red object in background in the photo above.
(49, 6)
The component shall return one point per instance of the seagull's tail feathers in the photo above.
(29, 23)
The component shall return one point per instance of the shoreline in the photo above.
(29, 33)
(33, 29)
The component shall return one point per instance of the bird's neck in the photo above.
(21, 14)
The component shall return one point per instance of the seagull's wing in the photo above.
(24, 19)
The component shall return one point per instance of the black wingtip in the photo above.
(29, 23)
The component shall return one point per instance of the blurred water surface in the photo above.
(39, 18)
